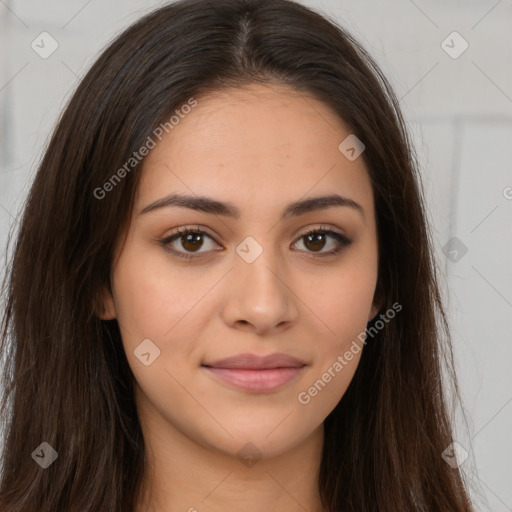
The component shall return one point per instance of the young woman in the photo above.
(223, 294)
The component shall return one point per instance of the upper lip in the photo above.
(255, 362)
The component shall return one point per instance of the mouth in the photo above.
(257, 374)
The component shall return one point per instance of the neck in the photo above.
(183, 475)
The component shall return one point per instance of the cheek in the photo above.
(342, 300)
(150, 298)
(343, 307)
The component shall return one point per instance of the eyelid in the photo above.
(299, 233)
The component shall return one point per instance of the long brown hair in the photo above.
(66, 379)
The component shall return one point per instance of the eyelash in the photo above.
(342, 240)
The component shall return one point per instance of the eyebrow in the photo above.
(210, 205)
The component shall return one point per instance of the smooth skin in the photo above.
(259, 148)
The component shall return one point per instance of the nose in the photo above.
(259, 295)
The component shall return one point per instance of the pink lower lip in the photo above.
(256, 380)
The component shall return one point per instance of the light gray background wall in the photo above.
(459, 107)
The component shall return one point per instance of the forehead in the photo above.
(257, 142)
(274, 117)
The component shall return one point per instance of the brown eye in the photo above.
(191, 240)
(315, 240)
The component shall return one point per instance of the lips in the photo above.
(254, 362)
(256, 374)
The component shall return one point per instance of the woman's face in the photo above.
(254, 284)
